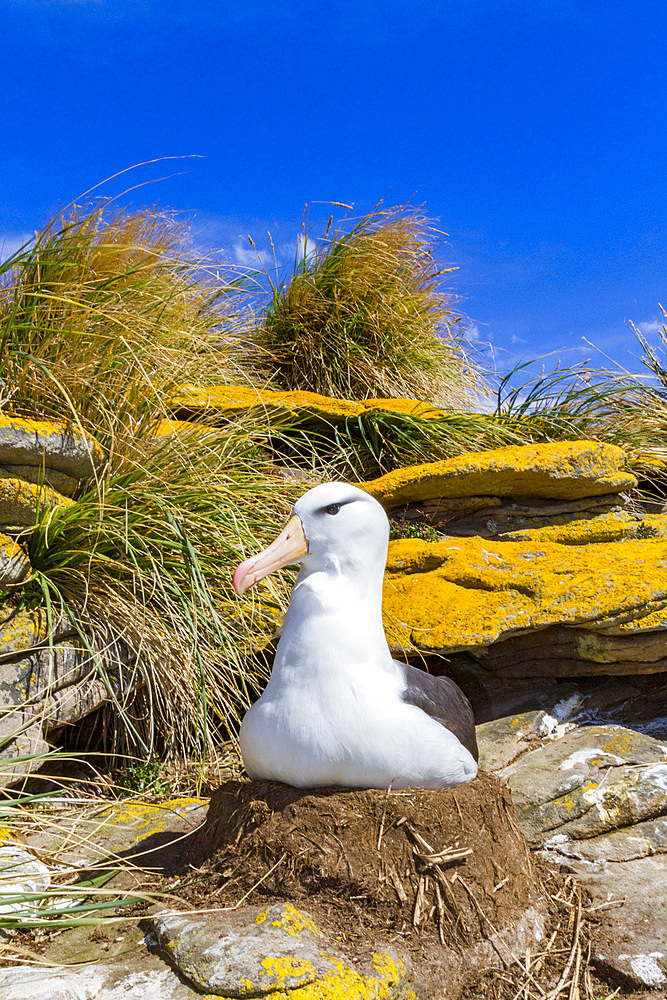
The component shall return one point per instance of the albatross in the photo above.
(338, 709)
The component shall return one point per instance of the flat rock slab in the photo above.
(122, 981)
(253, 953)
(593, 781)
(226, 401)
(564, 470)
(446, 872)
(466, 594)
(62, 447)
(630, 938)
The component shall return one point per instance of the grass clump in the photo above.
(101, 317)
(365, 314)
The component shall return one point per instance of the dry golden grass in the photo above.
(367, 314)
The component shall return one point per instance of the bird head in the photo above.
(334, 527)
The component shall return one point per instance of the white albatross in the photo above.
(338, 710)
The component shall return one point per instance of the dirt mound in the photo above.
(447, 874)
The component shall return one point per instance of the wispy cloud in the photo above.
(652, 326)
(11, 242)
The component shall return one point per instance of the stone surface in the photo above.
(14, 563)
(119, 981)
(61, 447)
(565, 470)
(226, 401)
(21, 746)
(22, 503)
(261, 953)
(592, 781)
(493, 517)
(630, 939)
(468, 593)
(58, 481)
(21, 873)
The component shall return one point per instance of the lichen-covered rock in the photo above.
(267, 953)
(468, 593)
(23, 503)
(593, 780)
(226, 401)
(58, 481)
(565, 470)
(14, 563)
(41, 443)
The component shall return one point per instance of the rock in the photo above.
(565, 470)
(119, 981)
(53, 684)
(14, 563)
(576, 652)
(629, 902)
(58, 481)
(101, 832)
(40, 443)
(595, 799)
(21, 874)
(468, 593)
(493, 517)
(224, 402)
(21, 746)
(266, 952)
(447, 872)
(593, 780)
(22, 504)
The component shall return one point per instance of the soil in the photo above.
(445, 877)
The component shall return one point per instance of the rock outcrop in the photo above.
(594, 800)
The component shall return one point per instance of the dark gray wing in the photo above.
(443, 700)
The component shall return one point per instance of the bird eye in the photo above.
(333, 508)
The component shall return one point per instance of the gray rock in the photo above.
(21, 873)
(255, 954)
(14, 563)
(52, 445)
(593, 780)
(629, 902)
(58, 481)
(21, 746)
(22, 504)
(93, 982)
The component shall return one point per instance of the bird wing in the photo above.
(443, 700)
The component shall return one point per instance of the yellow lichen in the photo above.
(287, 967)
(147, 818)
(466, 593)
(20, 501)
(294, 922)
(346, 983)
(560, 470)
(13, 426)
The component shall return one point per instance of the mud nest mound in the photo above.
(447, 874)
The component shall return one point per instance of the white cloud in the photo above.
(654, 326)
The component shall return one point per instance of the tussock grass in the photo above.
(100, 319)
(366, 314)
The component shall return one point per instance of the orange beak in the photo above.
(290, 546)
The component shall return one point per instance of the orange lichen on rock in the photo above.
(21, 503)
(228, 400)
(566, 470)
(465, 593)
(58, 446)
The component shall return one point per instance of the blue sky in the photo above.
(534, 132)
